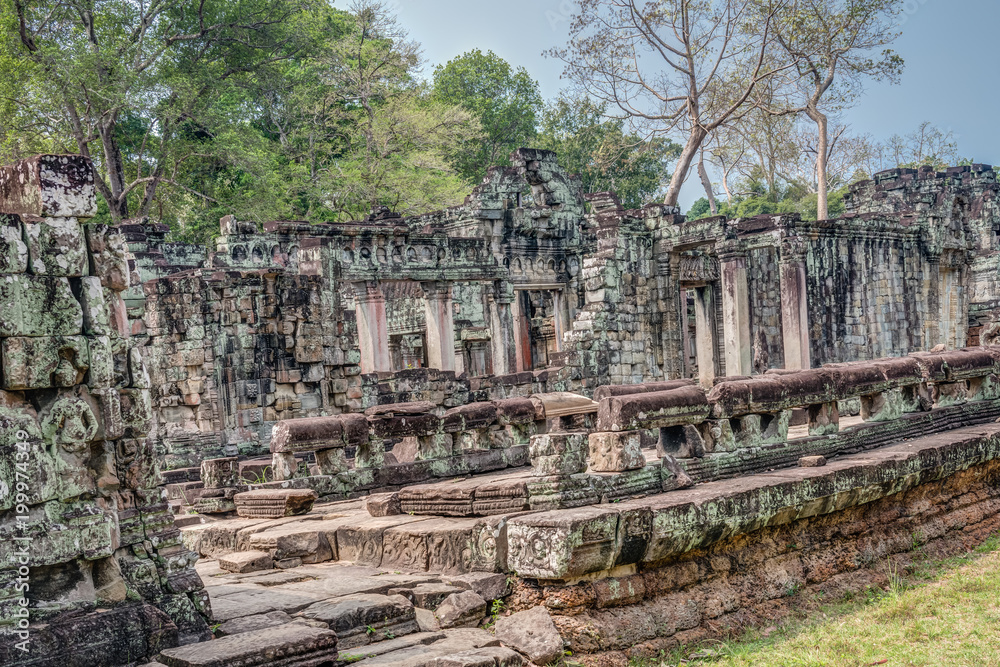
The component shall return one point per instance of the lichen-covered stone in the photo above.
(56, 247)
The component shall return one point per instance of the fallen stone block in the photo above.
(426, 620)
(303, 539)
(246, 561)
(489, 585)
(461, 610)
(383, 504)
(365, 618)
(533, 634)
(812, 461)
(427, 596)
(289, 645)
(274, 503)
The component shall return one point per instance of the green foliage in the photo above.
(606, 157)
(505, 101)
(792, 200)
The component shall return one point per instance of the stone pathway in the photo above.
(319, 614)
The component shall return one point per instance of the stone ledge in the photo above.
(568, 544)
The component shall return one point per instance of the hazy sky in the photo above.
(950, 78)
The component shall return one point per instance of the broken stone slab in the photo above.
(457, 640)
(38, 306)
(616, 452)
(56, 247)
(58, 186)
(365, 618)
(461, 610)
(289, 645)
(489, 585)
(490, 656)
(252, 623)
(390, 646)
(383, 504)
(533, 634)
(274, 503)
(427, 596)
(246, 561)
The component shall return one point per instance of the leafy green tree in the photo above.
(506, 102)
(137, 86)
(604, 156)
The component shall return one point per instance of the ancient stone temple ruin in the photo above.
(91, 564)
(529, 424)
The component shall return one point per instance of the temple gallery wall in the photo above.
(592, 415)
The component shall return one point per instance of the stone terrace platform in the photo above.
(387, 585)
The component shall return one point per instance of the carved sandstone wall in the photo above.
(89, 554)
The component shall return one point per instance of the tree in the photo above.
(834, 45)
(927, 145)
(134, 85)
(506, 102)
(600, 151)
(688, 65)
(397, 136)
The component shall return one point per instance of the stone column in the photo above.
(735, 311)
(373, 327)
(558, 304)
(522, 334)
(704, 336)
(440, 326)
(502, 330)
(794, 304)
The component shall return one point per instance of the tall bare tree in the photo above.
(670, 65)
(834, 46)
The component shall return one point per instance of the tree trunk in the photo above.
(684, 165)
(118, 204)
(707, 183)
(822, 157)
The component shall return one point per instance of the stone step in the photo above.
(289, 645)
(390, 645)
(363, 619)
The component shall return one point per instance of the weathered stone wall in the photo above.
(92, 569)
(757, 577)
(236, 351)
(537, 293)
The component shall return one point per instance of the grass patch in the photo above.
(937, 612)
